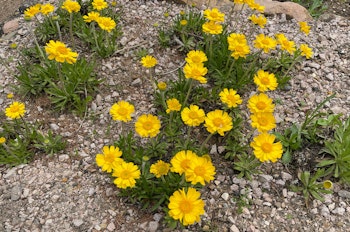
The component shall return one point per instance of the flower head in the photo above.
(32, 11)
(265, 81)
(148, 61)
(160, 168)
(256, 6)
(46, 9)
(161, 86)
(306, 51)
(286, 45)
(212, 28)
(265, 149)
(200, 170)
(106, 23)
(196, 71)
(99, 4)
(2, 140)
(265, 43)
(173, 105)
(147, 125)
(240, 50)
(196, 57)
(263, 122)
(10, 95)
(230, 97)
(58, 51)
(218, 121)
(327, 184)
(15, 110)
(260, 104)
(181, 161)
(110, 157)
(186, 206)
(122, 111)
(192, 115)
(91, 16)
(235, 38)
(214, 15)
(71, 6)
(127, 174)
(183, 22)
(261, 20)
(304, 27)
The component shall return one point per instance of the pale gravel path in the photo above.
(68, 192)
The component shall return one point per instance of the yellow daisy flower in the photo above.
(181, 161)
(58, 51)
(110, 157)
(260, 104)
(263, 122)
(99, 4)
(147, 125)
(235, 39)
(212, 28)
(71, 6)
(2, 140)
(265, 43)
(186, 206)
(160, 168)
(173, 105)
(200, 170)
(192, 115)
(196, 72)
(258, 20)
(148, 61)
(196, 57)
(15, 110)
(30, 12)
(91, 16)
(230, 97)
(10, 95)
(286, 45)
(265, 81)
(122, 111)
(304, 27)
(306, 51)
(327, 184)
(161, 86)
(127, 174)
(106, 23)
(240, 50)
(218, 121)
(214, 15)
(265, 149)
(183, 22)
(47, 9)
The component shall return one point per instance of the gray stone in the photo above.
(136, 82)
(234, 228)
(16, 192)
(225, 196)
(62, 158)
(286, 176)
(153, 226)
(111, 226)
(78, 222)
(344, 194)
(54, 126)
(265, 178)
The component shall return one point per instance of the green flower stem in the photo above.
(189, 131)
(252, 64)
(25, 127)
(58, 30)
(60, 76)
(36, 42)
(291, 66)
(230, 70)
(71, 29)
(163, 99)
(190, 82)
(205, 142)
(94, 33)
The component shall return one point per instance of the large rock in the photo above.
(291, 9)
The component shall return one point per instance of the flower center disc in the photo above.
(193, 115)
(148, 125)
(266, 147)
(218, 122)
(186, 206)
(263, 121)
(63, 50)
(265, 80)
(261, 105)
(125, 174)
(200, 171)
(122, 111)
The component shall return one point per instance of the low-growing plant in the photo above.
(21, 140)
(310, 187)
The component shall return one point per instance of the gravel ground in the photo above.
(67, 192)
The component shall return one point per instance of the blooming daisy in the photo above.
(46, 9)
(306, 51)
(15, 110)
(263, 122)
(200, 170)
(106, 23)
(127, 174)
(265, 149)
(196, 71)
(122, 111)
(218, 121)
(71, 6)
(192, 115)
(2, 140)
(186, 206)
(212, 28)
(196, 57)
(260, 104)
(265, 81)
(58, 51)
(181, 161)
(109, 157)
(230, 97)
(30, 12)
(160, 168)
(173, 105)
(265, 43)
(148, 61)
(304, 27)
(91, 16)
(147, 125)
(258, 20)
(214, 15)
(99, 4)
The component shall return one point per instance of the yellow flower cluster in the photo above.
(214, 17)
(194, 67)
(304, 27)
(44, 9)
(258, 20)
(237, 43)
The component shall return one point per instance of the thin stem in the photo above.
(190, 81)
(253, 63)
(58, 30)
(71, 29)
(205, 142)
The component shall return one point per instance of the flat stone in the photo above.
(234, 228)
(344, 194)
(225, 196)
(10, 26)
(16, 192)
(78, 222)
(153, 226)
(111, 226)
